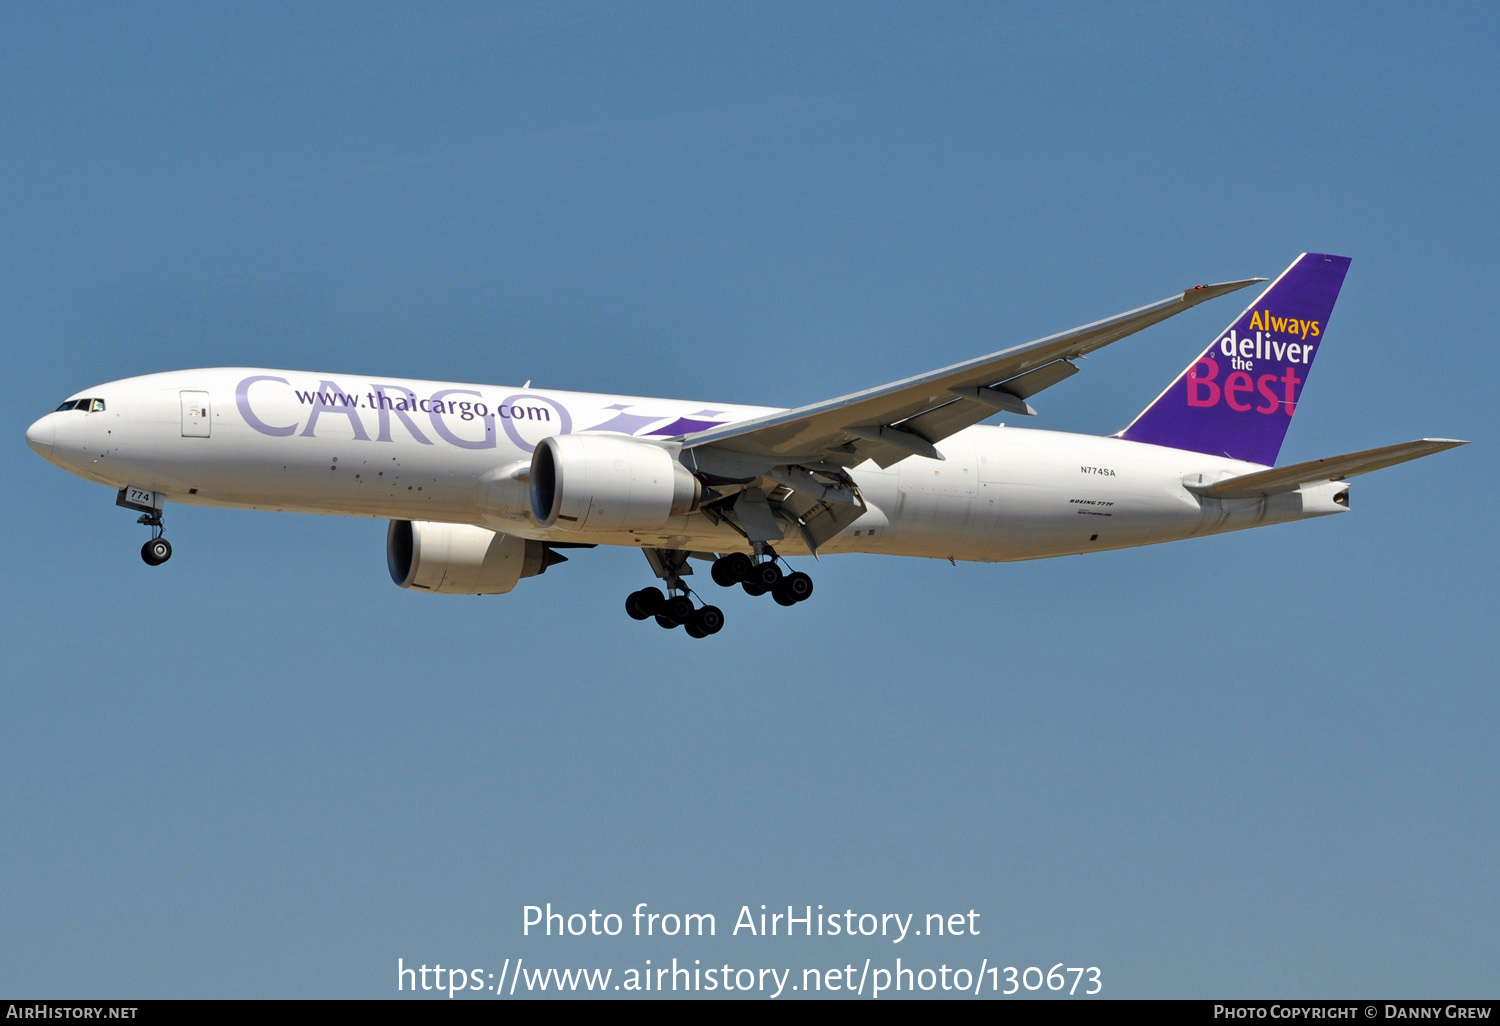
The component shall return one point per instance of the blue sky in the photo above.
(1254, 765)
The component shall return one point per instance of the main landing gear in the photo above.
(677, 611)
(761, 578)
(675, 607)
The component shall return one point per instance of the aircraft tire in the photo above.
(766, 575)
(709, 620)
(645, 603)
(156, 551)
(797, 585)
(731, 569)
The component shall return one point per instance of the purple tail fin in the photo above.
(1237, 399)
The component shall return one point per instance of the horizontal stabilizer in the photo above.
(1330, 468)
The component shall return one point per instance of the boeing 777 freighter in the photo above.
(483, 485)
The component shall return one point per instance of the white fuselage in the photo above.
(404, 449)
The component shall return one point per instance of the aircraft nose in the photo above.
(41, 436)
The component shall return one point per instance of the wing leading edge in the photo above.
(893, 421)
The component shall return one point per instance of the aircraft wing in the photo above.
(904, 418)
(1329, 468)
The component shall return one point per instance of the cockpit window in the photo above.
(86, 405)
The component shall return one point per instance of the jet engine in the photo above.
(608, 483)
(459, 559)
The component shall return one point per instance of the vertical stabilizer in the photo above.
(1237, 399)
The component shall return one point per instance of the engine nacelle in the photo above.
(608, 483)
(458, 559)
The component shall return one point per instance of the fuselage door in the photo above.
(195, 415)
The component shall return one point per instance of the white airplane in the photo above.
(484, 484)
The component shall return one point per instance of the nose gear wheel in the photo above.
(158, 550)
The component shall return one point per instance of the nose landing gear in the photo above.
(148, 504)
